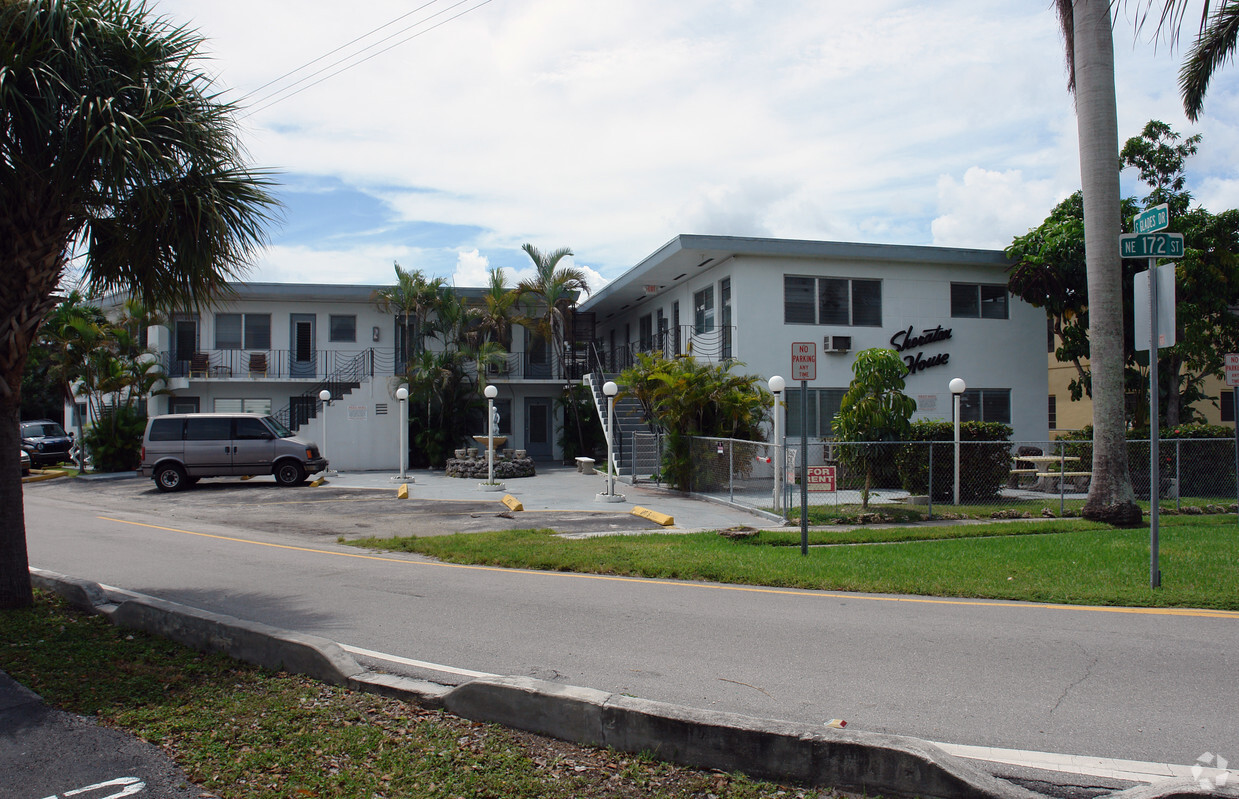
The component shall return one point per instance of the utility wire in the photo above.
(279, 99)
(308, 64)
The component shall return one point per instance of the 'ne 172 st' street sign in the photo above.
(1151, 245)
(1152, 219)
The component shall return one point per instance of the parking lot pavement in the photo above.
(49, 753)
(359, 504)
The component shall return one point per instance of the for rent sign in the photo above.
(821, 478)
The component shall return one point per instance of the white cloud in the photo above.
(987, 209)
(612, 126)
(471, 269)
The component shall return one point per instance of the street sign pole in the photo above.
(1230, 368)
(1155, 472)
(804, 467)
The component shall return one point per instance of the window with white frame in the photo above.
(251, 331)
(978, 301)
(831, 301)
(342, 328)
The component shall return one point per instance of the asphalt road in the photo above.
(1150, 685)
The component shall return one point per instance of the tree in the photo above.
(1214, 46)
(1049, 272)
(874, 409)
(113, 147)
(556, 290)
(499, 310)
(687, 398)
(1090, 64)
(412, 298)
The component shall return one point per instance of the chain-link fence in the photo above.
(910, 480)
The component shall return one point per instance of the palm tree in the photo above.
(499, 310)
(1214, 46)
(414, 296)
(555, 290)
(1090, 66)
(113, 148)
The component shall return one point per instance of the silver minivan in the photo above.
(180, 448)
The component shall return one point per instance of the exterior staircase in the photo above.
(630, 418)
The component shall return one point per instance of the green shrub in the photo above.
(114, 441)
(983, 469)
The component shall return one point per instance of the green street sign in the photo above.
(1152, 219)
(1151, 245)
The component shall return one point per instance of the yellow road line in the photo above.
(1196, 612)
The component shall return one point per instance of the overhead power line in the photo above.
(284, 93)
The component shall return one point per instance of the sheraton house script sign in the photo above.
(906, 340)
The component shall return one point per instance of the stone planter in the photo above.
(460, 454)
(520, 454)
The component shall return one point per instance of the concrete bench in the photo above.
(585, 465)
(1075, 481)
(1014, 480)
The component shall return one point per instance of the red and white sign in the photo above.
(1230, 364)
(821, 478)
(804, 360)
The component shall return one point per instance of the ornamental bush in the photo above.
(983, 468)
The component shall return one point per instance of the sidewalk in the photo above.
(563, 488)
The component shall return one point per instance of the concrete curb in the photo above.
(1174, 789)
(859, 761)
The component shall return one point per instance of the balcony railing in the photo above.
(281, 364)
(713, 345)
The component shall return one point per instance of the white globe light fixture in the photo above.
(402, 394)
(324, 396)
(610, 390)
(777, 386)
(957, 387)
(491, 392)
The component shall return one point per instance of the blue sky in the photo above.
(611, 126)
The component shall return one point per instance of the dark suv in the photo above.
(46, 441)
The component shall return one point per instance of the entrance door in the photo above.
(538, 428)
(301, 334)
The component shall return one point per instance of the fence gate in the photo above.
(646, 456)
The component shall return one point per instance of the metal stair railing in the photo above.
(347, 377)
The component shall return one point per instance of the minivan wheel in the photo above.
(289, 473)
(170, 478)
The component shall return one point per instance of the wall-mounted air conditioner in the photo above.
(837, 344)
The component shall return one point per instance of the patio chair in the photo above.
(199, 363)
(258, 364)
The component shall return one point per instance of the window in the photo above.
(978, 301)
(1053, 412)
(167, 430)
(645, 329)
(831, 301)
(233, 331)
(703, 310)
(1226, 404)
(251, 429)
(724, 298)
(208, 428)
(342, 328)
(824, 403)
(249, 405)
(985, 405)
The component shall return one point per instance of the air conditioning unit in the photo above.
(837, 344)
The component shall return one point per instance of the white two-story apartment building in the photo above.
(274, 347)
(946, 311)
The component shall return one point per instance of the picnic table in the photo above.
(1045, 477)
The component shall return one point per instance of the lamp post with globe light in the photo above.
(957, 387)
(491, 392)
(402, 394)
(325, 397)
(610, 389)
(777, 384)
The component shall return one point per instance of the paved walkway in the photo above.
(563, 488)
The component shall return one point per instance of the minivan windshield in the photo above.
(280, 430)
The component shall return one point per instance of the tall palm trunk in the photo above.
(1110, 496)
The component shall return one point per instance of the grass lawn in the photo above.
(1060, 560)
(240, 731)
